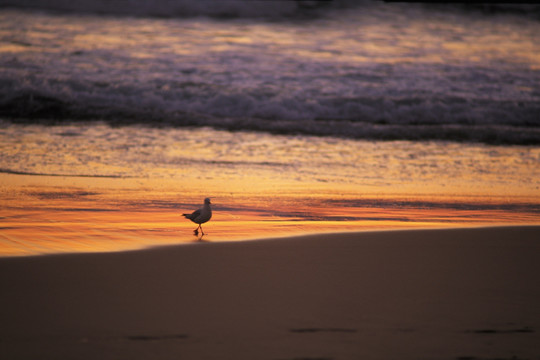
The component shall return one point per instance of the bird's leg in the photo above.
(202, 232)
(196, 231)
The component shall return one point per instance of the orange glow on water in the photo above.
(96, 188)
(96, 215)
(127, 187)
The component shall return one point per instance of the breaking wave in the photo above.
(378, 118)
(364, 73)
(232, 9)
(184, 8)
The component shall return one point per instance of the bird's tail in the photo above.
(187, 216)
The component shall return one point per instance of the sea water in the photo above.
(333, 115)
(374, 70)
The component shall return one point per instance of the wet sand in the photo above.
(404, 294)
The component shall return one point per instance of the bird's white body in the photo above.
(201, 215)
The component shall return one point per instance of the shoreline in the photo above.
(308, 236)
(439, 294)
(278, 236)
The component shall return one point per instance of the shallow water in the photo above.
(96, 188)
(188, 155)
(292, 117)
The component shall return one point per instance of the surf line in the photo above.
(15, 172)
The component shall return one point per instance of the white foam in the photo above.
(280, 77)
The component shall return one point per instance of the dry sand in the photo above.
(412, 294)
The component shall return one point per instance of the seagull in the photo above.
(200, 216)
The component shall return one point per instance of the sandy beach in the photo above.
(404, 294)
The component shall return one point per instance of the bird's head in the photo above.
(207, 201)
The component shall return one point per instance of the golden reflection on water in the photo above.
(43, 214)
(124, 188)
(262, 185)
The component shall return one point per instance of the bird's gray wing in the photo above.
(195, 214)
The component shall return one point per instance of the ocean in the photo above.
(381, 71)
(328, 114)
